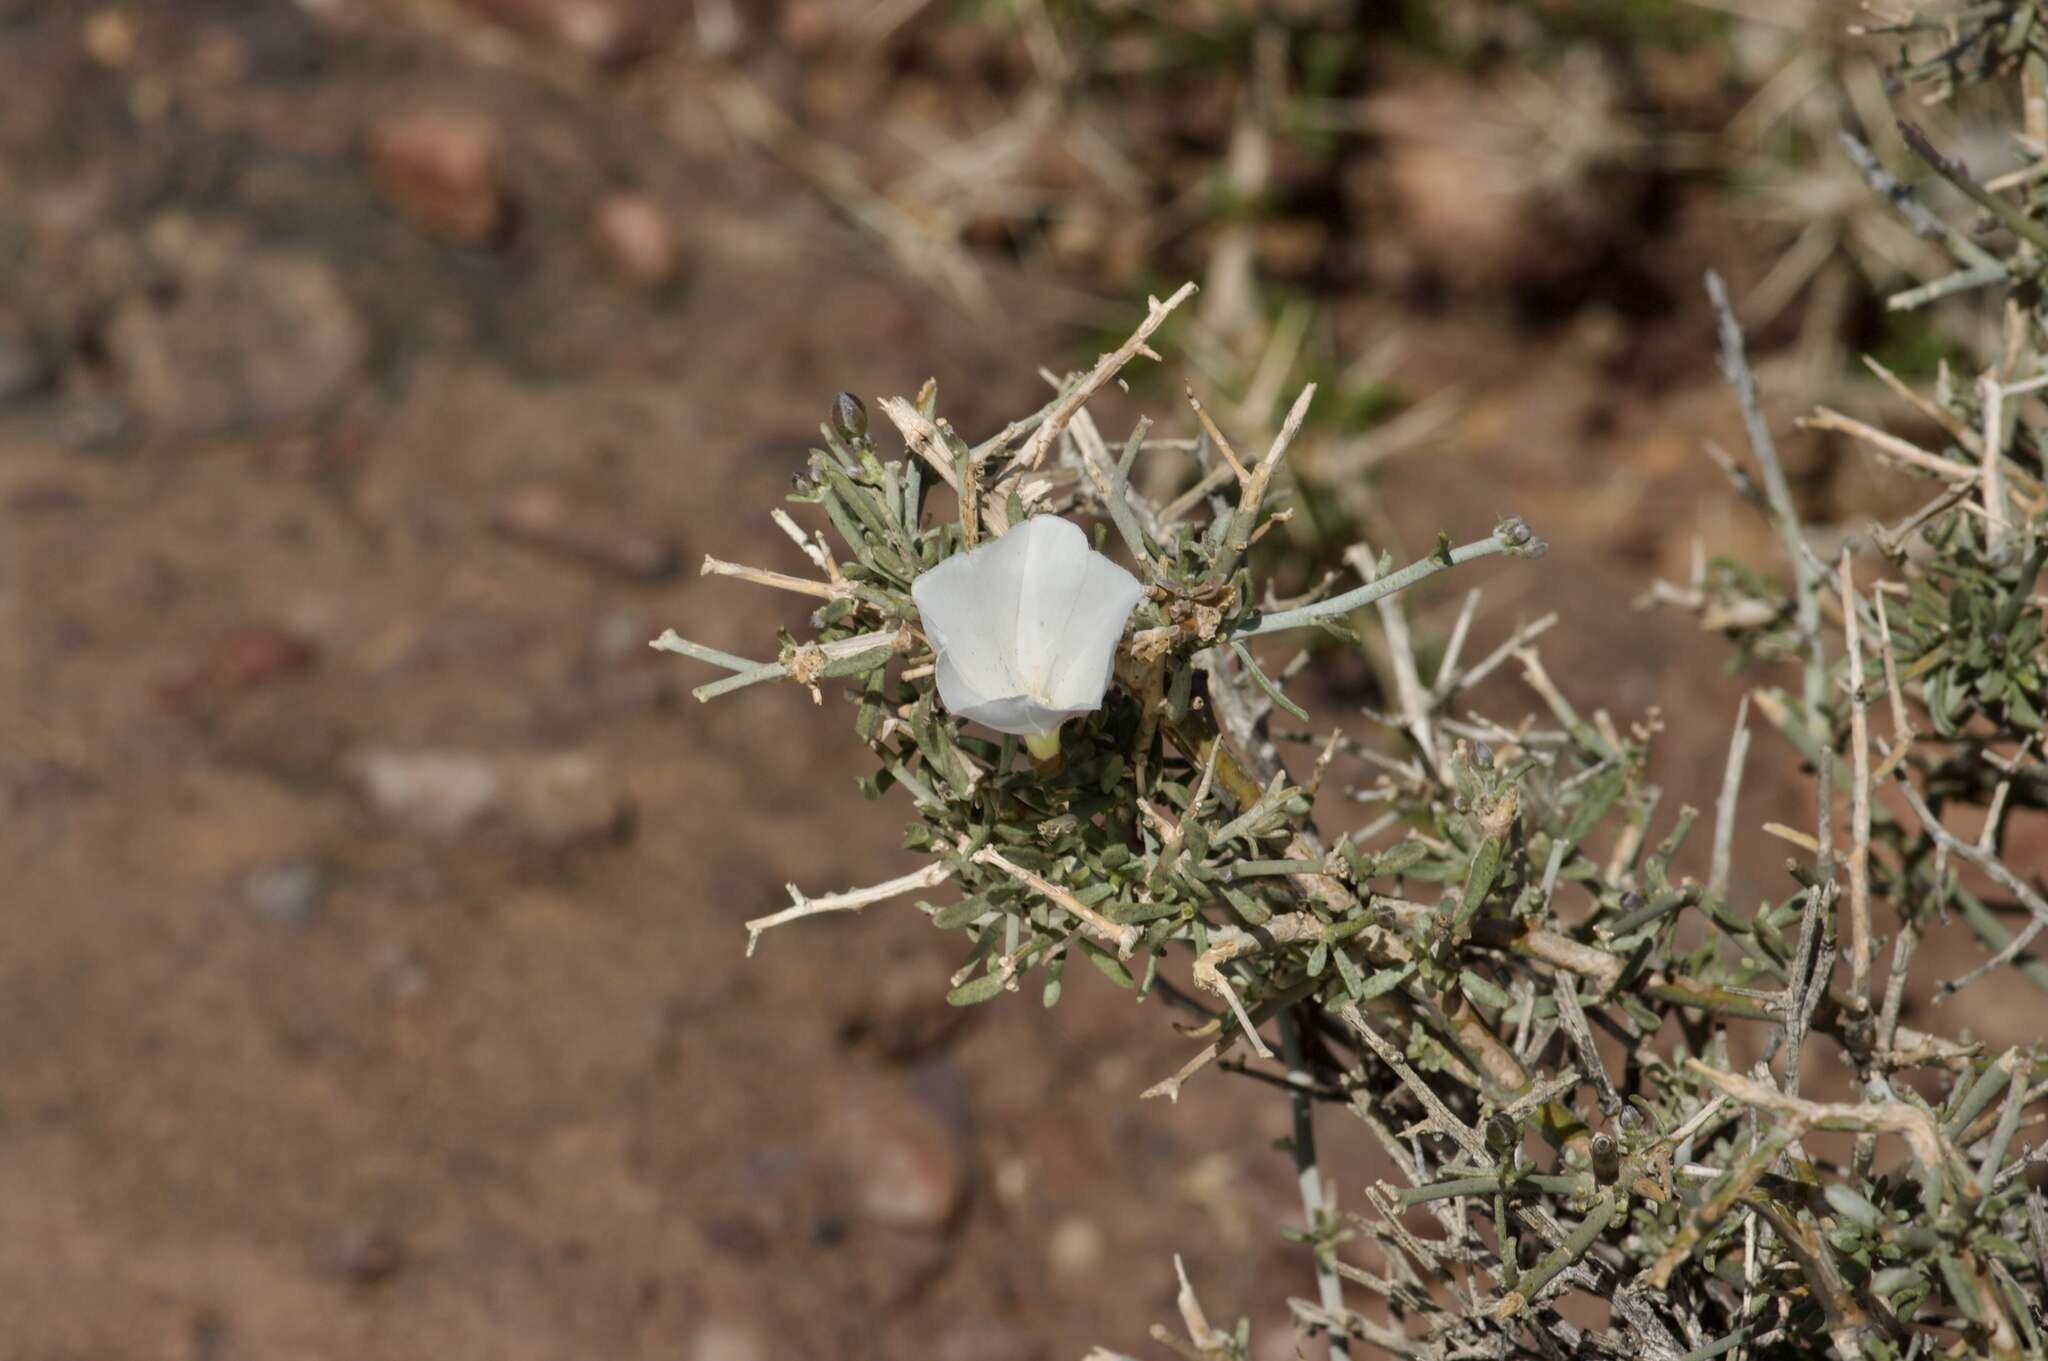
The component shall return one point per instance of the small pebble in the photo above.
(364, 1254)
(553, 801)
(727, 1340)
(635, 237)
(110, 38)
(286, 891)
(443, 170)
(436, 794)
(1074, 1248)
(903, 1167)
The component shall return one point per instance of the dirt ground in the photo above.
(372, 981)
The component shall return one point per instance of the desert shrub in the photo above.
(1446, 973)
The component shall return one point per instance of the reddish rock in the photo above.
(636, 239)
(443, 170)
(900, 1165)
(241, 660)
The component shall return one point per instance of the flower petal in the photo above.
(1087, 660)
(1018, 714)
(1056, 576)
(1025, 628)
(968, 607)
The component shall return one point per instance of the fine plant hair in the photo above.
(1592, 1075)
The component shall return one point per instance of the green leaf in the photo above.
(962, 913)
(1112, 771)
(975, 990)
(1852, 1205)
(1384, 981)
(1961, 1292)
(1112, 968)
(1600, 795)
(1249, 909)
(1124, 912)
(860, 661)
(1480, 879)
(1398, 860)
(1266, 683)
(2025, 713)
(1348, 970)
(1483, 991)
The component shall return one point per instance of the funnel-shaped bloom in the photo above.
(1025, 628)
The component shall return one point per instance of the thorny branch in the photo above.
(1505, 975)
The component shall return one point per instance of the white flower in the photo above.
(1025, 628)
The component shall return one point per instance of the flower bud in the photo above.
(849, 417)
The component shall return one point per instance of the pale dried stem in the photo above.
(1211, 482)
(1889, 445)
(1991, 485)
(813, 547)
(1106, 368)
(1902, 727)
(1231, 943)
(1805, 569)
(1940, 415)
(923, 438)
(931, 876)
(1724, 808)
(1447, 669)
(1918, 1128)
(1122, 938)
(1514, 645)
(1442, 1119)
(1859, 794)
(781, 581)
(1995, 870)
(1200, 1331)
(1573, 1017)
(1415, 701)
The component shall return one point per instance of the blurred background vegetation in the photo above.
(371, 373)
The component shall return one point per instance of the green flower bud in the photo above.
(849, 417)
